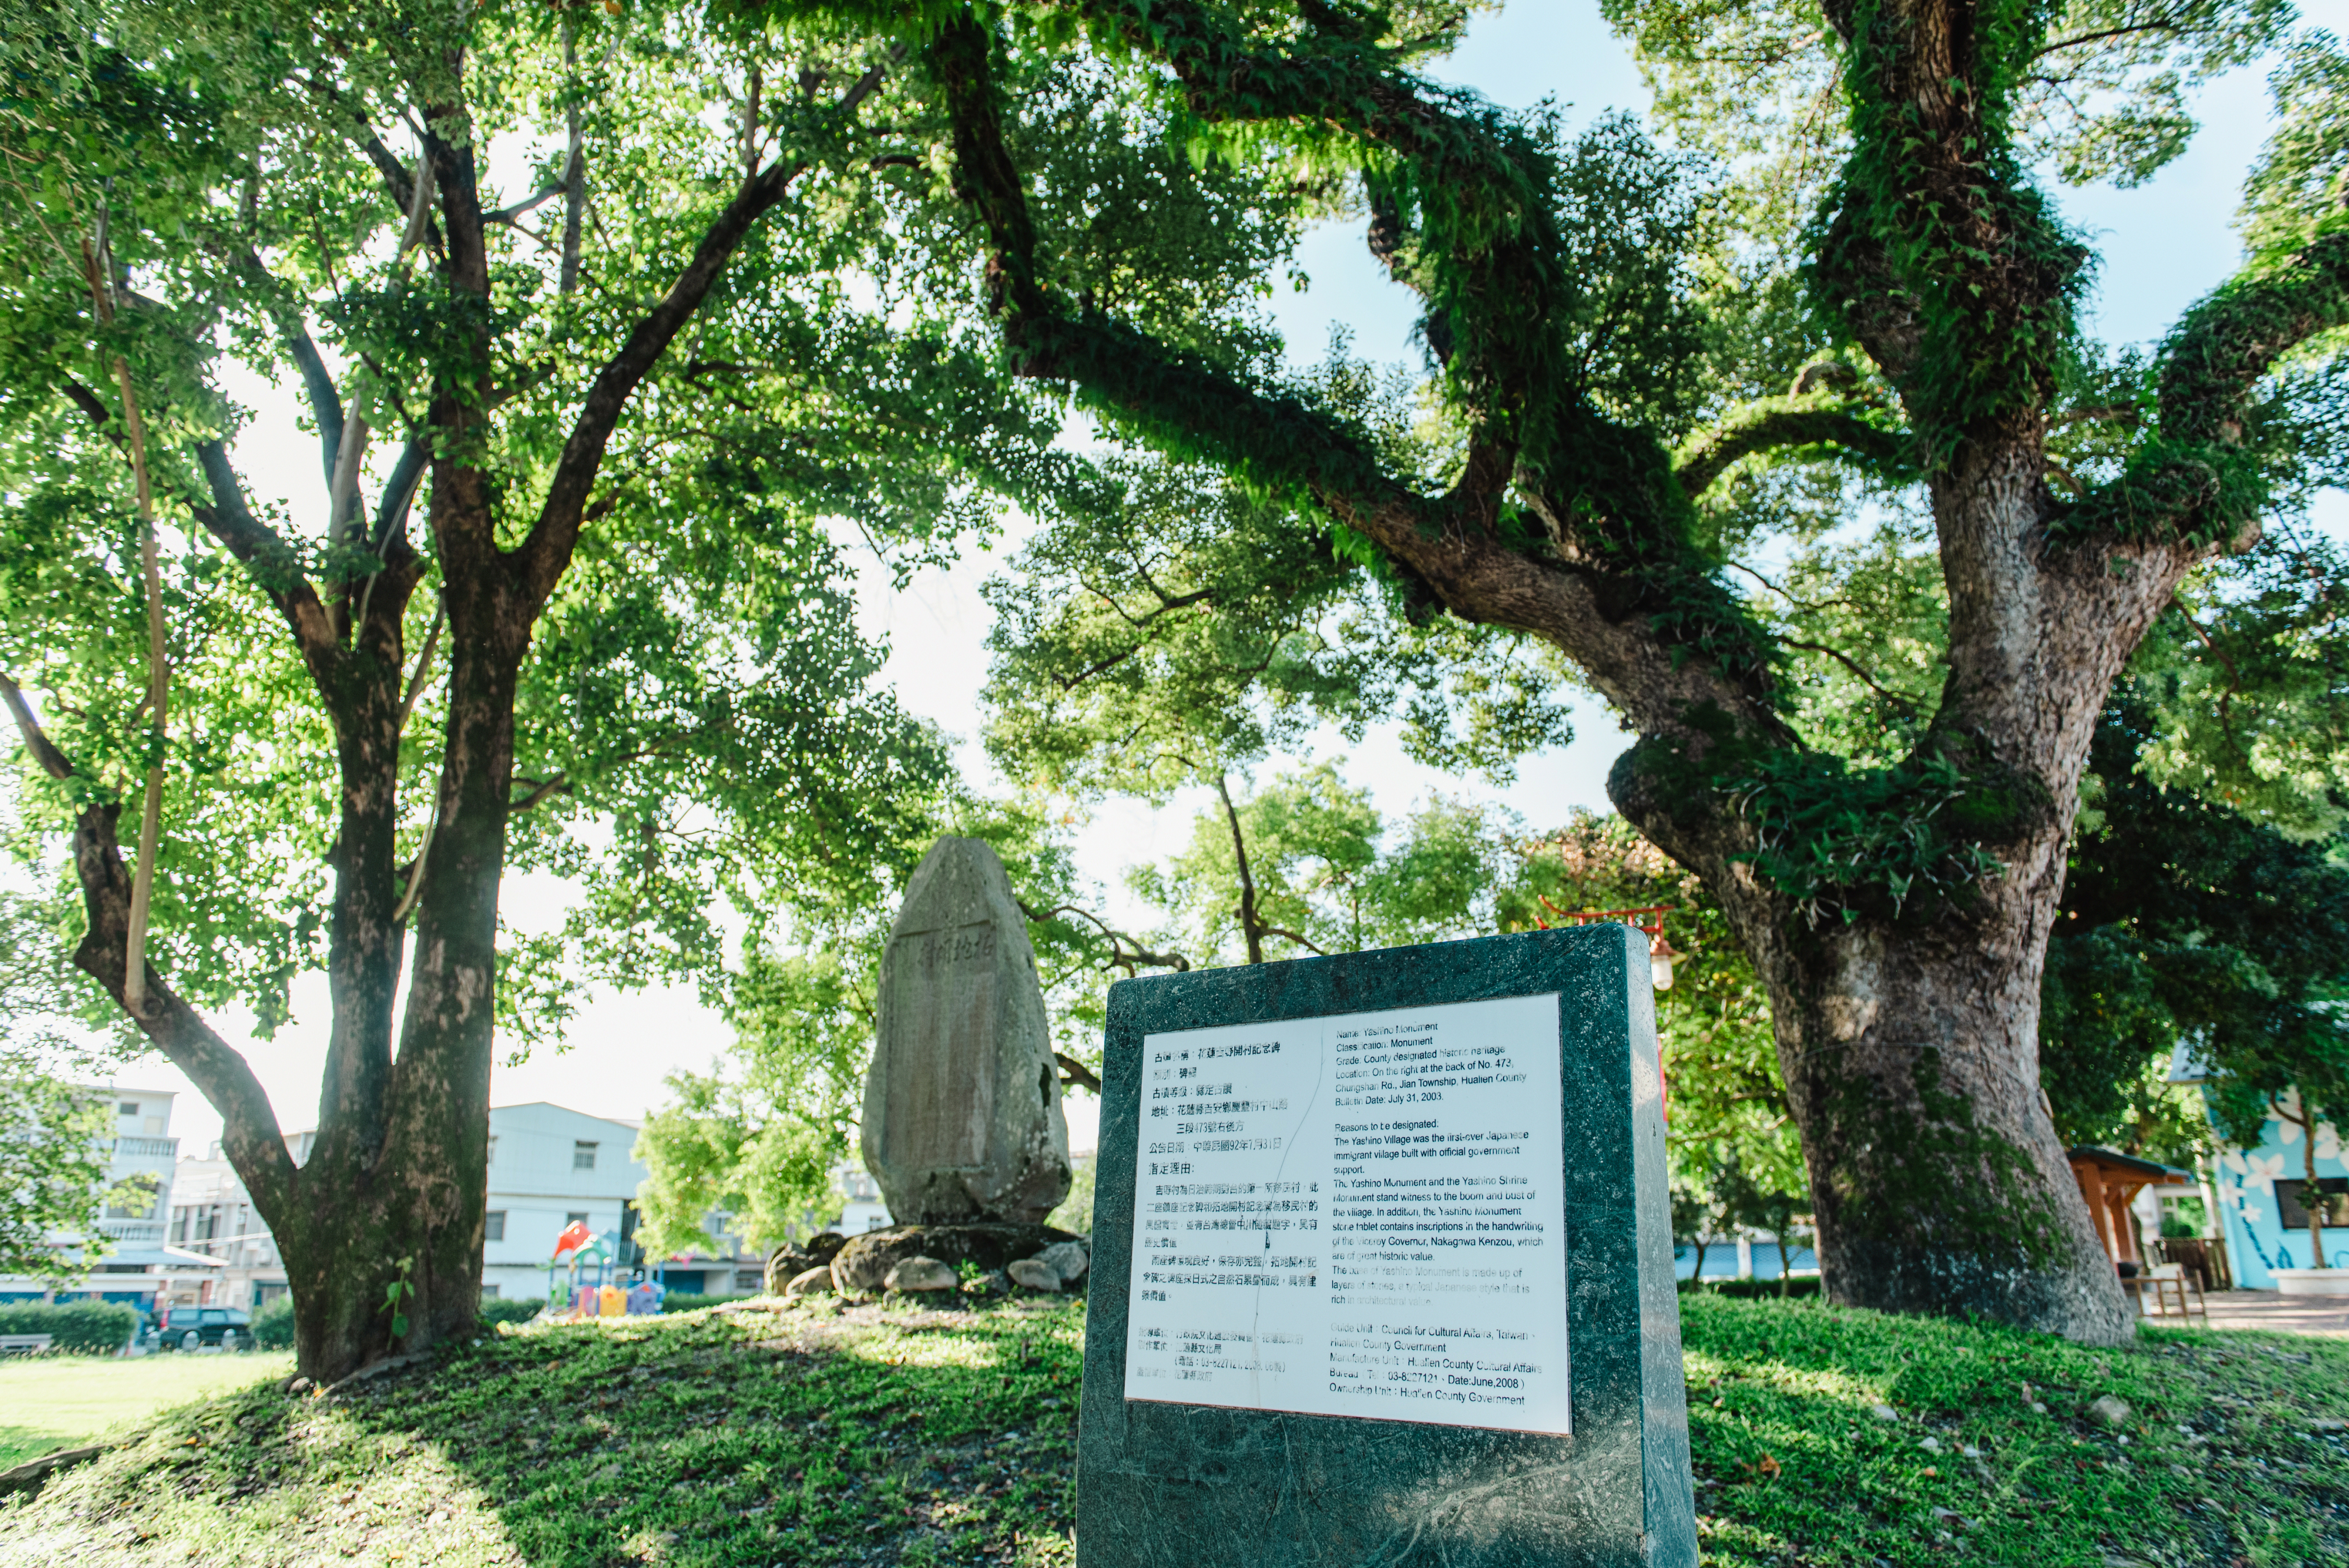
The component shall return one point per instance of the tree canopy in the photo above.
(1776, 421)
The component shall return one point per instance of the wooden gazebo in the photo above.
(2110, 1181)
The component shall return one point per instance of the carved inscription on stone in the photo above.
(946, 1005)
(962, 1103)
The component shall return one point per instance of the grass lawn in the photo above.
(889, 1434)
(58, 1401)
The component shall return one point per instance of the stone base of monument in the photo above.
(864, 1264)
(790, 1261)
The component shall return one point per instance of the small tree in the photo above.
(572, 285)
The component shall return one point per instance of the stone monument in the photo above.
(1381, 1268)
(962, 1104)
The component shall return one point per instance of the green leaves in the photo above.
(2184, 920)
(396, 1294)
(2297, 185)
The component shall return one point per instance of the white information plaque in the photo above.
(1360, 1215)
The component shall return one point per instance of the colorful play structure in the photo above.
(606, 1295)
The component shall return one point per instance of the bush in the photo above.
(497, 1309)
(273, 1325)
(686, 1301)
(91, 1327)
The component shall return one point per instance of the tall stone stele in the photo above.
(962, 1104)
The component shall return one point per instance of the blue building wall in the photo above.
(2257, 1241)
(1721, 1260)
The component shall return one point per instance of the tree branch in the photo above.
(271, 560)
(538, 790)
(1298, 937)
(2198, 482)
(251, 1135)
(1770, 423)
(94, 408)
(1075, 1072)
(325, 402)
(1622, 591)
(1125, 953)
(53, 761)
(1252, 933)
(2073, 43)
(1847, 662)
(542, 556)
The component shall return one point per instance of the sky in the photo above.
(2164, 245)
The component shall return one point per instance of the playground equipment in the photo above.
(607, 1293)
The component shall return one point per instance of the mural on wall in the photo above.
(2263, 1196)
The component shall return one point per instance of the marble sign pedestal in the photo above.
(1378, 1279)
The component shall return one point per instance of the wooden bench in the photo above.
(24, 1344)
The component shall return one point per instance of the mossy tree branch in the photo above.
(1608, 573)
(1824, 421)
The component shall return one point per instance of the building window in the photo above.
(128, 1108)
(493, 1157)
(489, 1293)
(495, 1230)
(571, 1220)
(750, 1279)
(582, 1155)
(2291, 1202)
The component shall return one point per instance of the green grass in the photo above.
(60, 1401)
(895, 1435)
(2221, 1463)
(800, 1436)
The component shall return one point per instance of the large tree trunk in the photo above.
(1912, 1063)
(1910, 1053)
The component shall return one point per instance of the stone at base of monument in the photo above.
(808, 1282)
(1035, 1273)
(1383, 1267)
(921, 1275)
(792, 1259)
(1068, 1259)
(864, 1264)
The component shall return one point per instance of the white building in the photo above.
(550, 1168)
(202, 1240)
(142, 1265)
(861, 1209)
(211, 1214)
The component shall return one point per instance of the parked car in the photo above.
(186, 1328)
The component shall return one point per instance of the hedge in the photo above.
(273, 1325)
(90, 1327)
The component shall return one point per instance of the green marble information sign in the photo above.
(1382, 1266)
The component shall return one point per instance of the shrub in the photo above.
(498, 1309)
(273, 1325)
(686, 1301)
(91, 1327)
